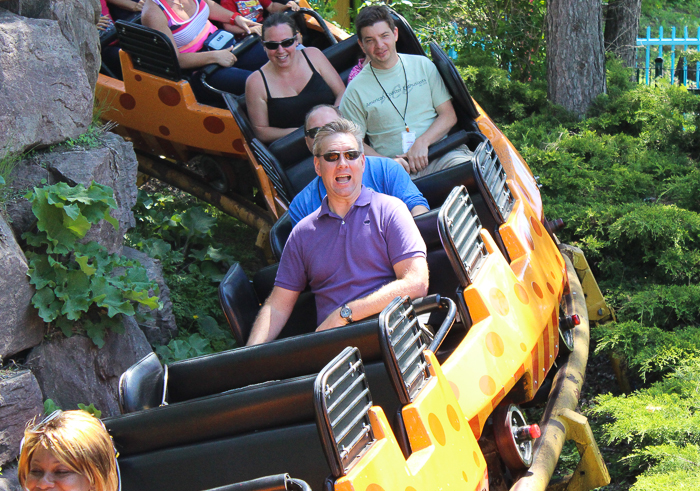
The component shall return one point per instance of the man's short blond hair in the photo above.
(339, 126)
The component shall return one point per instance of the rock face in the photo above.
(73, 370)
(45, 96)
(8, 479)
(20, 325)
(113, 164)
(25, 176)
(76, 18)
(163, 327)
(20, 402)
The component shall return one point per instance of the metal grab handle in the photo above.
(446, 325)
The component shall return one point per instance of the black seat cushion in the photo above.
(461, 99)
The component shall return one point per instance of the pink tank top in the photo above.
(191, 33)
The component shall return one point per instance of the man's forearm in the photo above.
(414, 284)
(440, 127)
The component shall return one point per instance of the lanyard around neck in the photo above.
(405, 78)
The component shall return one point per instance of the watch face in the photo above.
(345, 312)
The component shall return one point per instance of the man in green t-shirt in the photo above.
(399, 101)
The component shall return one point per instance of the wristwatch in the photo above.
(346, 313)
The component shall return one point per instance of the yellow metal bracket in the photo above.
(591, 471)
(598, 311)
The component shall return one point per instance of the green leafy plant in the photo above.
(50, 406)
(78, 281)
(91, 409)
(196, 245)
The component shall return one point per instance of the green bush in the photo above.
(80, 285)
(196, 245)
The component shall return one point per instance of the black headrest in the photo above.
(291, 148)
(143, 385)
(151, 51)
(453, 80)
(344, 55)
(239, 303)
(279, 234)
(408, 42)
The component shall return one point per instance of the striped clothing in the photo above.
(191, 33)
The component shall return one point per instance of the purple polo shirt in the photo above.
(343, 259)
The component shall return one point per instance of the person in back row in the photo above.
(187, 25)
(357, 252)
(399, 101)
(292, 82)
(381, 174)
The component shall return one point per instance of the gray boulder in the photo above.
(8, 479)
(45, 96)
(73, 370)
(24, 177)
(112, 163)
(76, 18)
(20, 325)
(20, 402)
(162, 327)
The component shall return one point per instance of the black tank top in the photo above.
(289, 112)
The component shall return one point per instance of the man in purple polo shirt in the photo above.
(357, 252)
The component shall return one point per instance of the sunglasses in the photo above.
(285, 43)
(311, 132)
(335, 156)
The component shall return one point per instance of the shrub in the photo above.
(77, 281)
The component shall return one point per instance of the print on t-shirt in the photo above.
(250, 9)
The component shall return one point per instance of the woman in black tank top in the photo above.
(279, 95)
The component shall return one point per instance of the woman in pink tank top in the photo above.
(187, 24)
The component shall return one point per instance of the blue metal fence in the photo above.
(673, 41)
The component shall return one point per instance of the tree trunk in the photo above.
(621, 27)
(575, 54)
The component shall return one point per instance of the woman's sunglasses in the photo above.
(285, 43)
(335, 156)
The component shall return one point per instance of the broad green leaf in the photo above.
(212, 271)
(200, 345)
(165, 353)
(65, 326)
(79, 226)
(106, 295)
(73, 211)
(96, 333)
(40, 272)
(197, 221)
(50, 220)
(180, 349)
(156, 248)
(84, 266)
(47, 304)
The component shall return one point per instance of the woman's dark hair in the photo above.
(372, 14)
(279, 19)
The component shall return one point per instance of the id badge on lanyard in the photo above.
(408, 138)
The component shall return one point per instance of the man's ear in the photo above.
(396, 33)
(317, 165)
(361, 45)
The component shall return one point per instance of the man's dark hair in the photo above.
(372, 14)
(278, 19)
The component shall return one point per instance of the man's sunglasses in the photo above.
(285, 43)
(335, 156)
(311, 132)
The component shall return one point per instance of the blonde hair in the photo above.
(78, 440)
(339, 126)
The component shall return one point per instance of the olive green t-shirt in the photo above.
(365, 103)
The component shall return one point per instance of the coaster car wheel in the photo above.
(514, 437)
